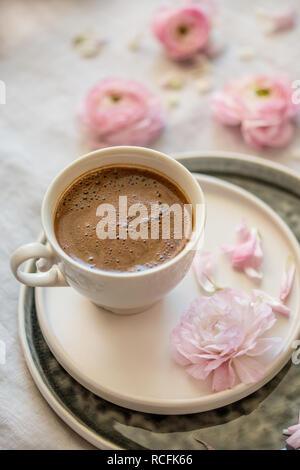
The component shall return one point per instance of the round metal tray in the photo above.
(256, 422)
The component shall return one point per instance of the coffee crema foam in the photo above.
(77, 223)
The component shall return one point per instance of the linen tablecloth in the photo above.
(45, 80)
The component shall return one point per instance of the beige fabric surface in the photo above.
(46, 79)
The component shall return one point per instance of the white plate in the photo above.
(126, 360)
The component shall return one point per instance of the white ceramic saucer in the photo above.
(126, 359)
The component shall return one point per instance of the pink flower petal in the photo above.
(291, 429)
(294, 431)
(180, 358)
(246, 255)
(253, 273)
(223, 377)
(288, 279)
(275, 304)
(294, 440)
(198, 371)
(248, 370)
(263, 345)
(204, 266)
(215, 364)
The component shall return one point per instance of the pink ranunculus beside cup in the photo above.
(182, 30)
(262, 106)
(222, 337)
(121, 112)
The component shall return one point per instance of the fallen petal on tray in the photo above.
(275, 304)
(204, 265)
(288, 279)
(246, 254)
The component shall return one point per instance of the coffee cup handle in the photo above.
(48, 273)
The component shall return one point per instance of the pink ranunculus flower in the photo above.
(221, 336)
(294, 432)
(262, 106)
(121, 112)
(183, 30)
(247, 254)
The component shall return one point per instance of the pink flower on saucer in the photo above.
(222, 337)
(246, 255)
(121, 112)
(182, 30)
(262, 106)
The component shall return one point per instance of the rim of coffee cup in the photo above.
(191, 244)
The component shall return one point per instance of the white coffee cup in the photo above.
(119, 292)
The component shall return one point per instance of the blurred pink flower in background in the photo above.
(121, 112)
(246, 255)
(221, 336)
(260, 134)
(183, 30)
(263, 107)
